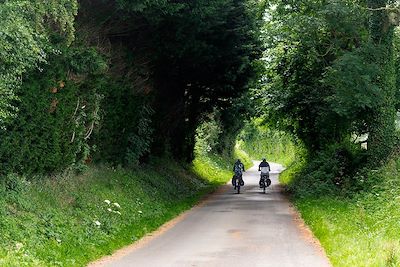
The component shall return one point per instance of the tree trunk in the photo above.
(382, 121)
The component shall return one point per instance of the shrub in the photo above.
(207, 135)
(58, 109)
(329, 172)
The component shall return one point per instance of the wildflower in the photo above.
(18, 246)
(97, 223)
(110, 210)
(140, 211)
(117, 205)
(107, 201)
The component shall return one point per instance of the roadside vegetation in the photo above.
(357, 224)
(95, 96)
(70, 220)
(331, 83)
(260, 141)
(100, 104)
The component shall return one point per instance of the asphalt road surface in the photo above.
(249, 229)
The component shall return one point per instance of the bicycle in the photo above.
(237, 182)
(265, 181)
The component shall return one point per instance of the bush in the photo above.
(126, 130)
(58, 109)
(207, 135)
(329, 172)
(360, 227)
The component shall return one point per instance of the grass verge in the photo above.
(260, 141)
(357, 229)
(71, 220)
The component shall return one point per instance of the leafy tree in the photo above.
(25, 31)
(329, 74)
(199, 57)
(58, 110)
(305, 41)
(382, 126)
(205, 55)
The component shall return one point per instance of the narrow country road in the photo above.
(250, 229)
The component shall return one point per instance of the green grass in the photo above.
(52, 221)
(359, 229)
(260, 141)
(217, 169)
(243, 156)
(351, 234)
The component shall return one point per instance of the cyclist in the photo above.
(238, 169)
(264, 168)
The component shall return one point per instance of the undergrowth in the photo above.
(71, 220)
(356, 216)
(260, 141)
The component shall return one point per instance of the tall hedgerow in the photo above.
(25, 30)
(58, 109)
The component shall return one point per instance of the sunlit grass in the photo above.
(351, 235)
(217, 169)
(361, 230)
(71, 220)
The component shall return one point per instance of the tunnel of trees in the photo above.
(147, 100)
(123, 81)
(118, 81)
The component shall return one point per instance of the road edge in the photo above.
(306, 233)
(120, 253)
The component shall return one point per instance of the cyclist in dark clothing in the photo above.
(238, 169)
(264, 168)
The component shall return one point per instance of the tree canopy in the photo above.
(116, 81)
(25, 30)
(330, 73)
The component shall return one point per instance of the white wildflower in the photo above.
(97, 223)
(117, 205)
(110, 210)
(140, 211)
(18, 246)
(107, 201)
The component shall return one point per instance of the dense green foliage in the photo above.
(260, 142)
(329, 75)
(58, 109)
(331, 80)
(25, 41)
(357, 227)
(208, 138)
(193, 56)
(382, 125)
(136, 79)
(115, 83)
